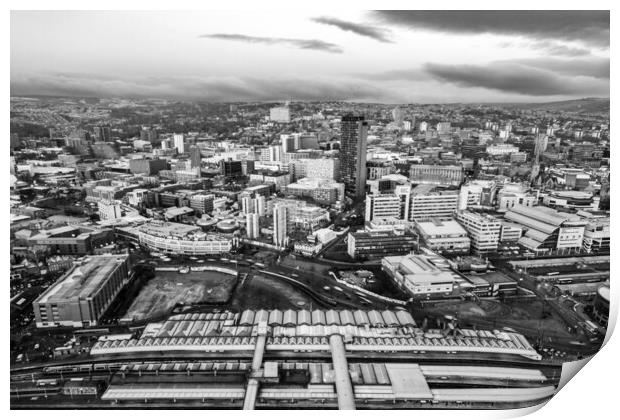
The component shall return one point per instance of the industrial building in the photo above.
(547, 229)
(335, 378)
(82, 295)
(73, 240)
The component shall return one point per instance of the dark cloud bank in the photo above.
(590, 26)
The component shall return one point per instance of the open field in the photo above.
(168, 289)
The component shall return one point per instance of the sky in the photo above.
(266, 55)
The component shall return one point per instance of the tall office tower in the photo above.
(102, 133)
(353, 154)
(251, 225)
(423, 127)
(179, 143)
(195, 157)
(280, 237)
(260, 205)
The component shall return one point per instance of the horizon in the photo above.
(392, 57)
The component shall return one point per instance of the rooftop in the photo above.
(437, 227)
(82, 281)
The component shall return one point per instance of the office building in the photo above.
(510, 232)
(498, 150)
(382, 206)
(231, 168)
(444, 175)
(109, 210)
(483, 229)
(322, 191)
(597, 235)
(147, 166)
(202, 203)
(179, 143)
(195, 157)
(83, 294)
(477, 193)
(353, 135)
(428, 202)
(102, 134)
(444, 236)
(375, 245)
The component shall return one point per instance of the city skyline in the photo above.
(410, 57)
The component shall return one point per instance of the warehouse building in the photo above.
(81, 296)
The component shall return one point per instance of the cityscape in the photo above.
(431, 237)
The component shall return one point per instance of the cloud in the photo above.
(589, 26)
(211, 89)
(366, 30)
(595, 67)
(555, 48)
(304, 44)
(411, 74)
(517, 78)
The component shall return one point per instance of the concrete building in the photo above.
(483, 229)
(374, 245)
(445, 236)
(477, 193)
(176, 238)
(109, 210)
(280, 225)
(428, 202)
(83, 294)
(597, 235)
(179, 143)
(73, 240)
(510, 232)
(279, 179)
(252, 227)
(202, 203)
(321, 190)
(497, 150)
(353, 133)
(281, 114)
(445, 175)
(383, 206)
(420, 275)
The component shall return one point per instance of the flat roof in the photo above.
(82, 281)
(441, 227)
